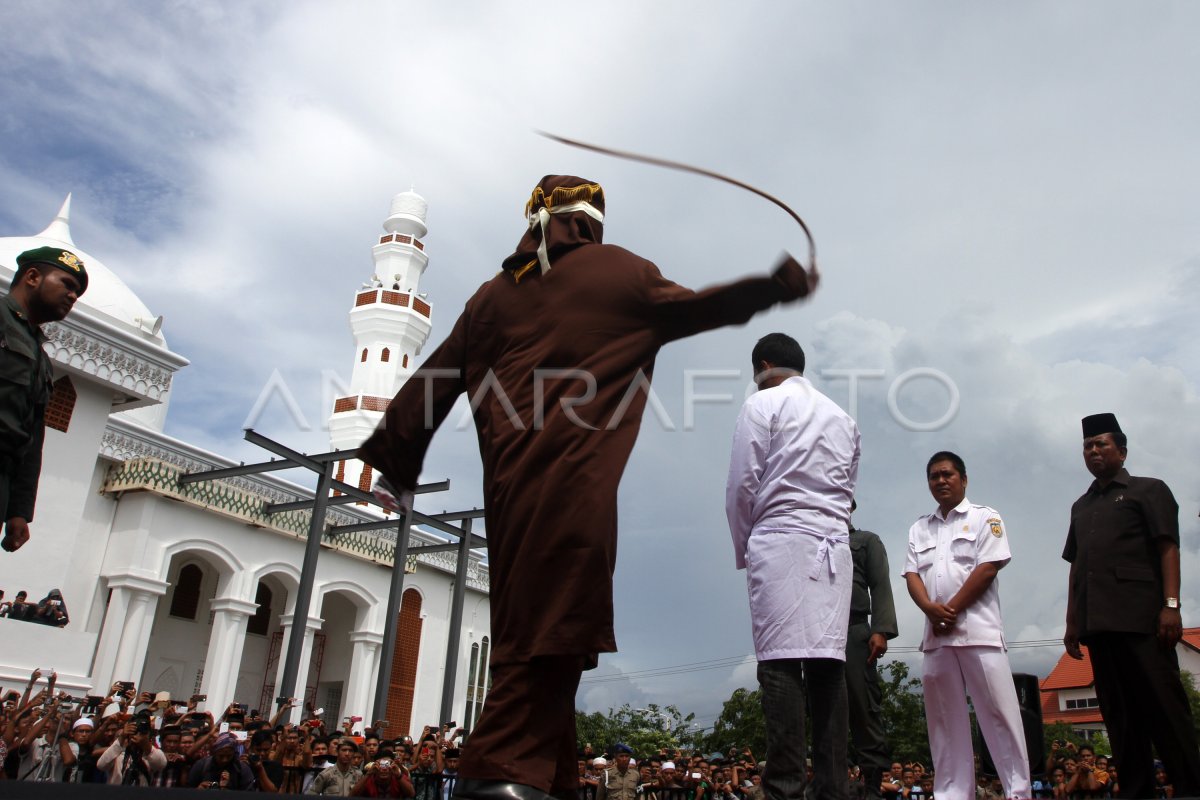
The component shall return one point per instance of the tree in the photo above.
(903, 712)
(741, 724)
(647, 730)
(1193, 696)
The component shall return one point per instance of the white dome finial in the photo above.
(407, 215)
(60, 227)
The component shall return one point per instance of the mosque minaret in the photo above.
(390, 320)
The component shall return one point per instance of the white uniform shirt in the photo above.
(793, 466)
(943, 552)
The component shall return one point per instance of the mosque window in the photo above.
(405, 362)
(61, 405)
(385, 356)
(364, 355)
(186, 597)
(261, 621)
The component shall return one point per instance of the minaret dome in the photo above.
(408, 215)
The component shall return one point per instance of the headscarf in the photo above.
(564, 212)
(224, 740)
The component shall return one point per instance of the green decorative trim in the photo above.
(161, 478)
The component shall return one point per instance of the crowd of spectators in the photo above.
(142, 738)
(1072, 773)
(50, 610)
(133, 737)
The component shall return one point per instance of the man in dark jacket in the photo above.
(1123, 605)
(44, 289)
(556, 352)
(872, 624)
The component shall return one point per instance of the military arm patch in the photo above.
(996, 526)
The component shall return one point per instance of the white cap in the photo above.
(79, 723)
(599, 761)
(668, 765)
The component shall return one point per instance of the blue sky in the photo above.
(1004, 193)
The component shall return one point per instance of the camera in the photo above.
(141, 721)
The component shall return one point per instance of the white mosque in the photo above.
(191, 589)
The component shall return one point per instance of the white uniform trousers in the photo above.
(949, 674)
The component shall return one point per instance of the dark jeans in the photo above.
(783, 698)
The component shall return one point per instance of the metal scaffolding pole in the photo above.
(456, 612)
(395, 597)
(312, 548)
(323, 465)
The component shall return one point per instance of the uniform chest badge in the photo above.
(997, 528)
(966, 528)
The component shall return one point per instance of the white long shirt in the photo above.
(943, 552)
(792, 473)
(794, 465)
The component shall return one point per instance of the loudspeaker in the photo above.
(1029, 697)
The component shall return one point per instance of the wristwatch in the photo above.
(1172, 602)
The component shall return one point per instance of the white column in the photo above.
(224, 659)
(125, 635)
(364, 663)
(285, 624)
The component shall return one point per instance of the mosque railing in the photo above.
(220, 497)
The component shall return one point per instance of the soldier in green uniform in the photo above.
(44, 289)
(620, 781)
(872, 623)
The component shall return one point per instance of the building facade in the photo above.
(192, 589)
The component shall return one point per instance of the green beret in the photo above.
(54, 257)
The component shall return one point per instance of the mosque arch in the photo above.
(363, 601)
(224, 563)
(182, 625)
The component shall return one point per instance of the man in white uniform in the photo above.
(791, 479)
(953, 557)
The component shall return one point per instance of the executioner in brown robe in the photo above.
(556, 353)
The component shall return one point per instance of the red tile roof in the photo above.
(1069, 673)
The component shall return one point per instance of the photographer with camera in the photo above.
(170, 738)
(384, 778)
(268, 773)
(132, 759)
(39, 747)
(52, 610)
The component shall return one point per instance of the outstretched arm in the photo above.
(681, 312)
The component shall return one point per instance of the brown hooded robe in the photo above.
(552, 460)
